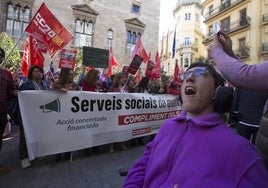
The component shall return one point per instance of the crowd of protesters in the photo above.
(88, 80)
(92, 80)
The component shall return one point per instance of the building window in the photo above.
(243, 17)
(243, 49)
(210, 30)
(136, 8)
(131, 41)
(210, 10)
(187, 59)
(83, 33)
(225, 4)
(187, 16)
(17, 20)
(242, 43)
(186, 62)
(225, 25)
(187, 41)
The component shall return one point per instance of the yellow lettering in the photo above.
(57, 40)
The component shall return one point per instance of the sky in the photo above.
(167, 21)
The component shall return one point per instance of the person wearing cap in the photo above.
(7, 91)
(196, 148)
(246, 76)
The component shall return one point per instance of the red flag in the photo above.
(149, 67)
(112, 60)
(176, 72)
(139, 50)
(112, 63)
(45, 27)
(25, 59)
(36, 55)
(156, 72)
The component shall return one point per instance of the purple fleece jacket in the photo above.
(198, 152)
(253, 76)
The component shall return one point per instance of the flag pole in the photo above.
(128, 78)
(3, 63)
(49, 68)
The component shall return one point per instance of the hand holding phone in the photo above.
(226, 43)
(221, 37)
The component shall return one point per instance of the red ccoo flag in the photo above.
(45, 27)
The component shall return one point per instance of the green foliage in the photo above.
(7, 44)
(78, 64)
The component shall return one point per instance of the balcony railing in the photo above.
(225, 6)
(242, 53)
(193, 46)
(234, 26)
(217, 10)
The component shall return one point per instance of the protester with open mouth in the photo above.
(196, 148)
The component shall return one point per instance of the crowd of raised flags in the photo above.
(51, 37)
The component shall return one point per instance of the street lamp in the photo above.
(110, 37)
(110, 34)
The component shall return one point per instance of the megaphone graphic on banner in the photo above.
(52, 106)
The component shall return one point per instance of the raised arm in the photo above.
(253, 76)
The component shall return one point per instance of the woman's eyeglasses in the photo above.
(197, 72)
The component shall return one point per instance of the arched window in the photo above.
(83, 32)
(134, 38)
(88, 28)
(129, 37)
(131, 41)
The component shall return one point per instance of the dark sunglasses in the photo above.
(197, 72)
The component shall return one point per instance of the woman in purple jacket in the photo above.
(196, 148)
(253, 76)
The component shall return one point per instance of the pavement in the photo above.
(85, 170)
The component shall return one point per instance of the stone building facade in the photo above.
(94, 23)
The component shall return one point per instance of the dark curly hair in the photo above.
(31, 69)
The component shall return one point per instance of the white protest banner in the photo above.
(56, 122)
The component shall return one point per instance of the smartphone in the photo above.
(217, 27)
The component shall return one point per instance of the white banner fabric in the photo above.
(56, 122)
